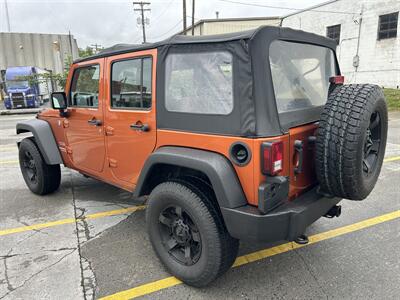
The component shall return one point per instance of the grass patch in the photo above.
(393, 98)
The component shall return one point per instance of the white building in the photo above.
(367, 34)
(217, 26)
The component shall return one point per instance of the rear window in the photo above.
(300, 74)
(199, 83)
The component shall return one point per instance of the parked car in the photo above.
(244, 136)
(21, 93)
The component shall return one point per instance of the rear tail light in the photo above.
(271, 158)
(339, 79)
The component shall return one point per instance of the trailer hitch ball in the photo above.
(335, 211)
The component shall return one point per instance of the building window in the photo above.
(333, 32)
(388, 26)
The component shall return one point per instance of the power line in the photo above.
(168, 6)
(168, 31)
(142, 10)
(287, 8)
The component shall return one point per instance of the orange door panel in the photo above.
(130, 121)
(84, 133)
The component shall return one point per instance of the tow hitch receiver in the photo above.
(335, 211)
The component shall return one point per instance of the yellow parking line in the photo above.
(71, 220)
(391, 158)
(8, 162)
(256, 256)
(6, 149)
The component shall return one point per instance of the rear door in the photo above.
(130, 115)
(84, 125)
(300, 74)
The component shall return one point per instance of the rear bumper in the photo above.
(285, 222)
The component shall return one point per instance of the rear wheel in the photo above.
(351, 140)
(40, 177)
(188, 233)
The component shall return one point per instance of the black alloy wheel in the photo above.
(28, 163)
(180, 235)
(371, 144)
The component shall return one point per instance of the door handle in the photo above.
(140, 126)
(298, 147)
(94, 122)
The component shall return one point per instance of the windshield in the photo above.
(17, 84)
(300, 74)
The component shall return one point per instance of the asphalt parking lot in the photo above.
(88, 240)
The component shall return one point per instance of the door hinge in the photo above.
(112, 163)
(109, 130)
(68, 149)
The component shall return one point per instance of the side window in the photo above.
(199, 83)
(85, 87)
(131, 83)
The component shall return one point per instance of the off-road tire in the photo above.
(344, 129)
(47, 178)
(218, 248)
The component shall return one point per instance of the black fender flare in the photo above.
(216, 167)
(44, 139)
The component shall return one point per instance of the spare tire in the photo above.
(351, 140)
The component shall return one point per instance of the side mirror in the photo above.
(59, 100)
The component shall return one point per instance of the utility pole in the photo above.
(96, 47)
(193, 4)
(7, 16)
(70, 43)
(142, 10)
(184, 16)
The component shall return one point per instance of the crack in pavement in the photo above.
(30, 253)
(88, 280)
(311, 273)
(10, 288)
(36, 274)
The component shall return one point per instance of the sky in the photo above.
(108, 22)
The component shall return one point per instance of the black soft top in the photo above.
(271, 31)
(254, 111)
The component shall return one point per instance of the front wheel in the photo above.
(40, 177)
(188, 233)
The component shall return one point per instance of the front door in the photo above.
(130, 115)
(84, 124)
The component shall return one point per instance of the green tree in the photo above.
(88, 51)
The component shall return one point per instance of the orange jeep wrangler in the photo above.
(244, 136)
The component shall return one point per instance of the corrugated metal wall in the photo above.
(46, 51)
